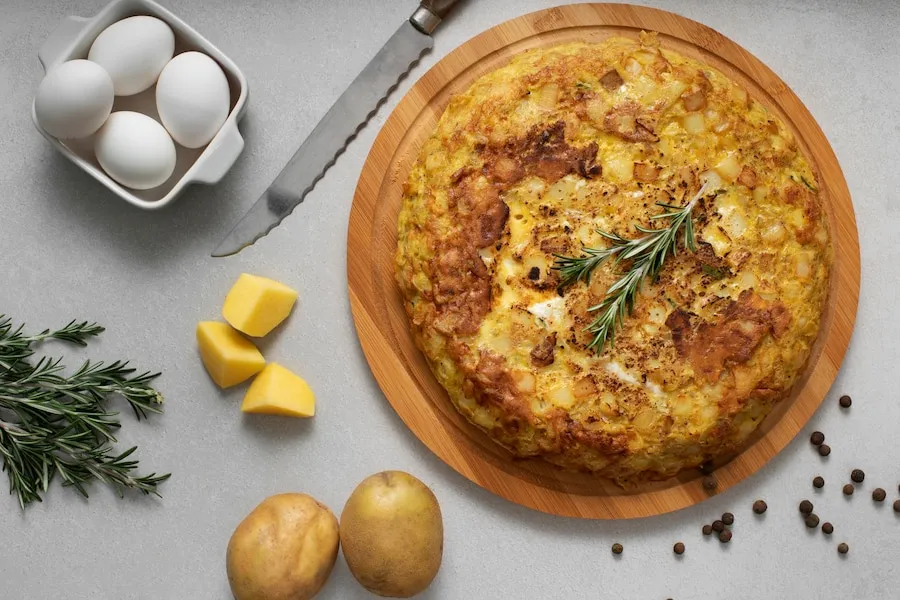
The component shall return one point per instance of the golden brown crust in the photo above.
(542, 354)
(527, 165)
(710, 347)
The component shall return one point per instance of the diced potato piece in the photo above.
(277, 391)
(644, 421)
(229, 357)
(256, 305)
(619, 168)
(729, 167)
(774, 233)
(548, 96)
(694, 123)
(562, 397)
(525, 381)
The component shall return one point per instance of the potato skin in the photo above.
(393, 534)
(284, 549)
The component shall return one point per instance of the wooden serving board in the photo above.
(381, 322)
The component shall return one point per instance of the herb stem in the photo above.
(56, 424)
(646, 255)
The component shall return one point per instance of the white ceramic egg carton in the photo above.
(205, 165)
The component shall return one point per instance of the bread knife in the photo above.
(339, 126)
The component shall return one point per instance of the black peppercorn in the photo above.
(827, 528)
(707, 529)
(848, 489)
(617, 548)
(878, 495)
(678, 548)
(818, 482)
(812, 521)
(857, 475)
(706, 468)
(845, 401)
(728, 518)
(897, 506)
(843, 548)
(725, 536)
(760, 506)
(806, 507)
(710, 484)
(718, 526)
(817, 438)
(824, 450)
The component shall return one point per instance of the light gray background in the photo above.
(69, 248)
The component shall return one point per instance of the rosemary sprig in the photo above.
(51, 423)
(646, 256)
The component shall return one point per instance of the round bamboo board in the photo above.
(381, 322)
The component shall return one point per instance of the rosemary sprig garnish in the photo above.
(51, 423)
(646, 256)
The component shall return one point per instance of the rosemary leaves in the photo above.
(645, 257)
(55, 424)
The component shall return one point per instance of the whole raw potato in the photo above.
(392, 534)
(283, 550)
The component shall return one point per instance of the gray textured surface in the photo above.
(68, 248)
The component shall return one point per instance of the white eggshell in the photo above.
(135, 150)
(133, 51)
(192, 98)
(74, 99)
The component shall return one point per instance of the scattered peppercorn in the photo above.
(812, 521)
(897, 506)
(725, 536)
(818, 482)
(617, 548)
(857, 475)
(760, 506)
(817, 438)
(710, 484)
(843, 548)
(678, 548)
(827, 528)
(718, 526)
(845, 401)
(707, 529)
(706, 468)
(824, 450)
(806, 507)
(728, 518)
(848, 489)
(878, 495)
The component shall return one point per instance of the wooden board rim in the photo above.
(399, 373)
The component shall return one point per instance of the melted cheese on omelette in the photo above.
(527, 165)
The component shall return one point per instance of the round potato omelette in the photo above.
(527, 167)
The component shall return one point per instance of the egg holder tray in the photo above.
(208, 164)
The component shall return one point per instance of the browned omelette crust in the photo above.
(529, 163)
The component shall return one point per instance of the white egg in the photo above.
(133, 51)
(192, 98)
(135, 150)
(74, 99)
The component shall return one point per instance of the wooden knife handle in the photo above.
(440, 7)
(429, 14)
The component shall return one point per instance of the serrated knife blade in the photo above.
(338, 127)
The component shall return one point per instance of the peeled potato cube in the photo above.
(229, 357)
(277, 391)
(256, 305)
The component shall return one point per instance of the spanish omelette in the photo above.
(529, 164)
